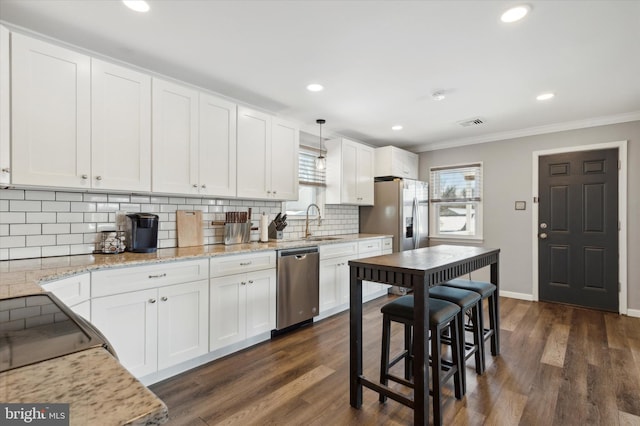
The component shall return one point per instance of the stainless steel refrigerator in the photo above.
(401, 209)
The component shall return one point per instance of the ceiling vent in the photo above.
(472, 122)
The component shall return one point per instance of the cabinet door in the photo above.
(83, 309)
(175, 138)
(130, 322)
(5, 107)
(349, 190)
(120, 128)
(227, 311)
(261, 302)
(254, 154)
(285, 144)
(330, 292)
(51, 123)
(364, 175)
(183, 322)
(217, 159)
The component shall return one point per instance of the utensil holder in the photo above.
(237, 233)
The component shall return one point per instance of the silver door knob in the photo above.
(243, 283)
(204, 186)
(98, 177)
(543, 225)
(164, 298)
(6, 170)
(152, 300)
(85, 177)
(543, 236)
(195, 185)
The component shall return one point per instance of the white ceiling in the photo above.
(379, 61)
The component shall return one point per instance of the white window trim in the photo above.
(478, 236)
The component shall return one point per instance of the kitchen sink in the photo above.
(321, 238)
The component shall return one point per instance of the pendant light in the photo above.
(321, 161)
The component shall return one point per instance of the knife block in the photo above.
(275, 234)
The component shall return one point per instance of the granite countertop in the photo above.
(98, 389)
(22, 277)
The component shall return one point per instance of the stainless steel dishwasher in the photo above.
(298, 286)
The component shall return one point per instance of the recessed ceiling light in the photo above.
(137, 5)
(437, 95)
(515, 13)
(397, 127)
(545, 96)
(315, 87)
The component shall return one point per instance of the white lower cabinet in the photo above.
(74, 292)
(154, 316)
(156, 328)
(334, 282)
(242, 306)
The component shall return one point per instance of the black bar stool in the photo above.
(468, 301)
(486, 291)
(443, 316)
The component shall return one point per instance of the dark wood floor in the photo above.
(559, 366)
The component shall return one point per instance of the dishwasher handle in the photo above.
(300, 256)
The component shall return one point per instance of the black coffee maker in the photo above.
(142, 232)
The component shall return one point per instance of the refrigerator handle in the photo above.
(416, 223)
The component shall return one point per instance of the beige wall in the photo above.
(508, 177)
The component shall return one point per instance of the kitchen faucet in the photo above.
(307, 234)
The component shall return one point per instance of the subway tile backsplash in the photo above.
(37, 223)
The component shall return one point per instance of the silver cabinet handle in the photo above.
(245, 263)
(84, 177)
(243, 283)
(204, 186)
(6, 170)
(164, 298)
(152, 300)
(195, 185)
(250, 281)
(158, 276)
(98, 177)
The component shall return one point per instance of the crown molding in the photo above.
(530, 131)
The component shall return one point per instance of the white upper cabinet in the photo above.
(194, 142)
(396, 162)
(217, 159)
(175, 138)
(285, 145)
(5, 107)
(267, 157)
(120, 128)
(349, 172)
(51, 104)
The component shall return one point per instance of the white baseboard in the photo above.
(514, 295)
(633, 313)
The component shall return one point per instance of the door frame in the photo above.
(622, 213)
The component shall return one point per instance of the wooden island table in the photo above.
(418, 270)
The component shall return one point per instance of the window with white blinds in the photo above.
(456, 202)
(307, 172)
(456, 183)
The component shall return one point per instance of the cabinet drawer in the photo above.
(370, 247)
(235, 264)
(72, 290)
(338, 250)
(122, 280)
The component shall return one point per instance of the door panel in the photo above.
(578, 229)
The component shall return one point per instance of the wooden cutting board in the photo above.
(189, 225)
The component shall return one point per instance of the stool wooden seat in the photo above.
(468, 301)
(443, 316)
(486, 291)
